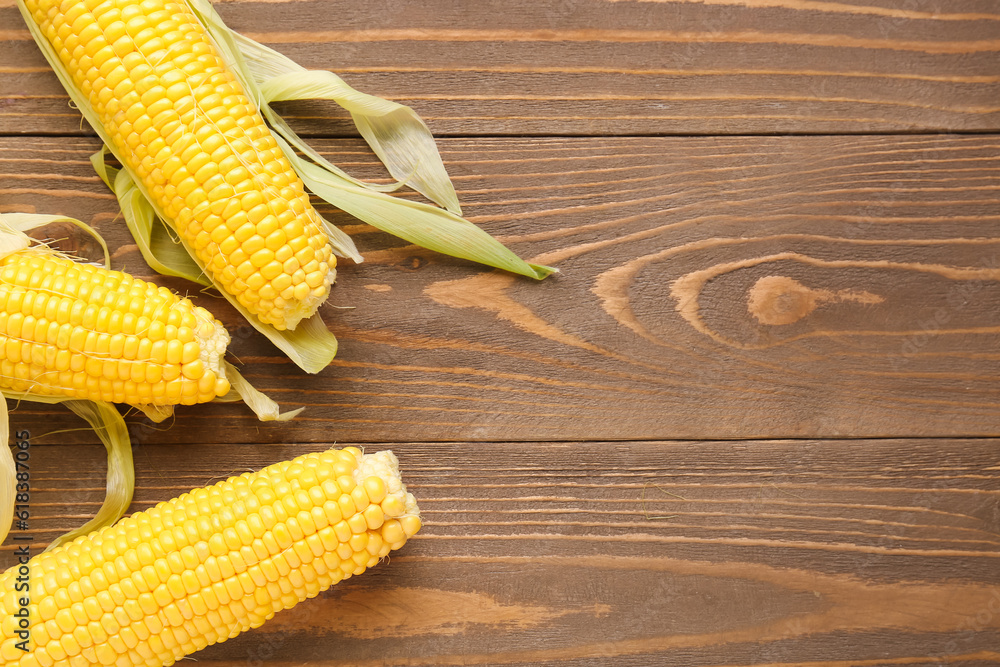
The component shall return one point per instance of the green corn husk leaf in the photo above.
(311, 346)
(162, 251)
(341, 243)
(396, 134)
(265, 408)
(416, 222)
(110, 428)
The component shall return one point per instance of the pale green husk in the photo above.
(106, 421)
(110, 428)
(159, 247)
(395, 133)
(103, 417)
(8, 475)
(264, 407)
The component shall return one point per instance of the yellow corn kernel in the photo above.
(180, 119)
(82, 353)
(160, 600)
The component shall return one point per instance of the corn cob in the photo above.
(208, 565)
(181, 121)
(81, 331)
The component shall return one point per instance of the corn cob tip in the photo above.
(294, 311)
(385, 466)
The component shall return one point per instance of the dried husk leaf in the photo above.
(8, 475)
(110, 428)
(265, 408)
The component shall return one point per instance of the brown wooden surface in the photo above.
(598, 67)
(753, 420)
(827, 286)
(636, 553)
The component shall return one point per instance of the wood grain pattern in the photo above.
(591, 67)
(710, 288)
(755, 419)
(639, 553)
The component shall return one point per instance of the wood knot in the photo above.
(780, 300)
(777, 300)
(413, 263)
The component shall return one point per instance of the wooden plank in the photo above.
(590, 67)
(710, 288)
(877, 552)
